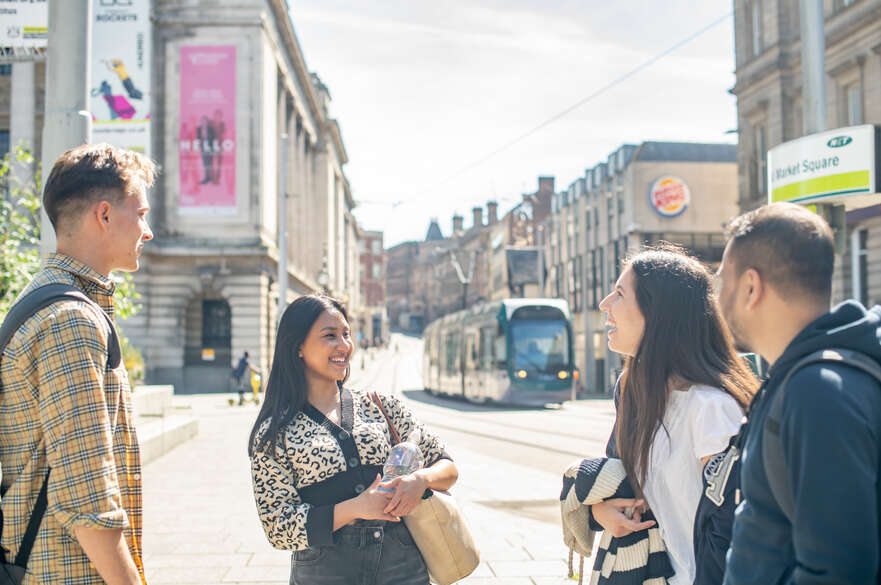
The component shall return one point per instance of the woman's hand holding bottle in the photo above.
(373, 503)
(408, 491)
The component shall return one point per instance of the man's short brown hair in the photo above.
(791, 248)
(91, 173)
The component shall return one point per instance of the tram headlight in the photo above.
(521, 374)
(562, 374)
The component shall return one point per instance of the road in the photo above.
(541, 440)
(201, 526)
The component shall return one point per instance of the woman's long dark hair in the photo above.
(685, 341)
(287, 390)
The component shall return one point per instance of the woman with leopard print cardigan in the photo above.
(317, 451)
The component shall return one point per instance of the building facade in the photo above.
(374, 319)
(769, 109)
(681, 193)
(441, 275)
(252, 166)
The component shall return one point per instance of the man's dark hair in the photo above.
(246, 354)
(791, 248)
(90, 173)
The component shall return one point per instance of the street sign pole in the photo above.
(813, 66)
(67, 122)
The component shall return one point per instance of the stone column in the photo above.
(22, 115)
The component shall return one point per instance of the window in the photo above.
(579, 279)
(756, 26)
(853, 101)
(377, 248)
(4, 142)
(5, 69)
(862, 295)
(376, 270)
(216, 324)
(760, 144)
(592, 280)
(452, 353)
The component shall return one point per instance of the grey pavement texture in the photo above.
(201, 524)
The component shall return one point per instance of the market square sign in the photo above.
(825, 167)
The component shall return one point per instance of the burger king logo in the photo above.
(669, 196)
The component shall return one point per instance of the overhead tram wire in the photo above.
(581, 102)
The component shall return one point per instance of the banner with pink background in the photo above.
(207, 137)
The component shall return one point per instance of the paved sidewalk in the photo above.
(201, 524)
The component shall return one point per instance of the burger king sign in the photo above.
(669, 196)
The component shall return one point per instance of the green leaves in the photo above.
(20, 185)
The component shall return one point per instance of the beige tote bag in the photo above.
(439, 530)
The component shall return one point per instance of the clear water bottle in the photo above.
(405, 458)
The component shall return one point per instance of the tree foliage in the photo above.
(20, 235)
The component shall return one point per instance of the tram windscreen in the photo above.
(540, 346)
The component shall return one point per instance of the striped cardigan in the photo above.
(636, 559)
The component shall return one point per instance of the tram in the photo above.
(517, 351)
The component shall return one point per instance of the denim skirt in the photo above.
(369, 552)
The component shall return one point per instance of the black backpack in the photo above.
(715, 514)
(39, 298)
(772, 448)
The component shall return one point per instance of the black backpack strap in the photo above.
(772, 446)
(24, 309)
(30, 533)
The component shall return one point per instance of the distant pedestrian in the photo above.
(680, 399)
(810, 482)
(243, 381)
(317, 452)
(66, 425)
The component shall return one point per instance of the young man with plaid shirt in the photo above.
(64, 411)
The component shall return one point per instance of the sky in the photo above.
(424, 89)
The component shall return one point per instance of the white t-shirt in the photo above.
(700, 422)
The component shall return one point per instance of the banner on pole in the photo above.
(120, 93)
(207, 134)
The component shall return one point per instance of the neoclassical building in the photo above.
(230, 103)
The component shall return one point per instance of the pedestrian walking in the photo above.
(317, 452)
(243, 382)
(679, 401)
(68, 448)
(809, 480)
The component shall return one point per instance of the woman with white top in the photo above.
(680, 399)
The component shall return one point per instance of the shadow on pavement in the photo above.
(462, 405)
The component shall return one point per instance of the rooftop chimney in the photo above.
(458, 223)
(546, 184)
(492, 210)
(477, 214)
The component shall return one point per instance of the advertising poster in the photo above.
(24, 23)
(120, 93)
(207, 134)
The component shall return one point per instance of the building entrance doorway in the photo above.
(208, 346)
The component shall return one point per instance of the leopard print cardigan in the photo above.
(317, 464)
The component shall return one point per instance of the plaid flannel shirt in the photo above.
(62, 407)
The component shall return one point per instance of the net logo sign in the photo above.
(839, 141)
(669, 196)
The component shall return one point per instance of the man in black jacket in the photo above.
(775, 290)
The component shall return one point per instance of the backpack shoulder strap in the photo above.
(44, 296)
(772, 446)
(23, 310)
